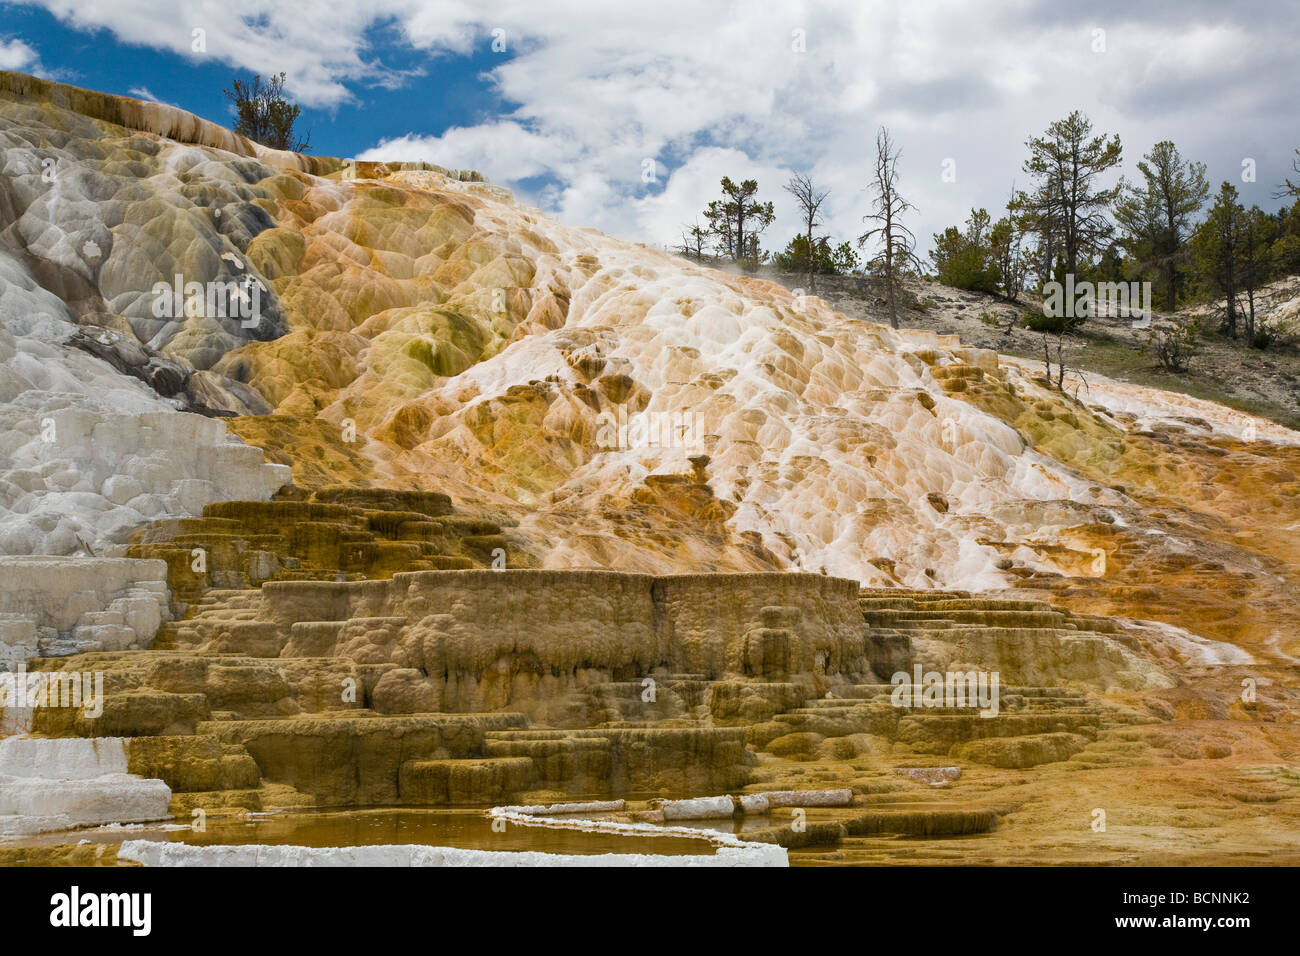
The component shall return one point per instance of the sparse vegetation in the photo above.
(824, 260)
(1173, 345)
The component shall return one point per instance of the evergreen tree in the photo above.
(1156, 215)
(737, 218)
(264, 115)
(1067, 207)
(1219, 250)
(964, 260)
(1257, 228)
(1008, 262)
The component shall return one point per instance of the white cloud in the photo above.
(698, 180)
(144, 93)
(321, 48)
(16, 55)
(507, 149)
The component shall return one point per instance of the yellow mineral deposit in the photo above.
(463, 597)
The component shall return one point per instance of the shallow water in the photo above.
(466, 829)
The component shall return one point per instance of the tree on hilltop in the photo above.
(737, 219)
(810, 200)
(1220, 249)
(264, 115)
(1289, 188)
(964, 259)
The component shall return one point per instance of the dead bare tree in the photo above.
(897, 244)
(694, 238)
(1060, 361)
(1061, 368)
(1290, 189)
(810, 203)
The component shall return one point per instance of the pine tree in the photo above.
(1256, 231)
(728, 218)
(964, 260)
(1156, 216)
(1067, 205)
(1008, 263)
(1219, 249)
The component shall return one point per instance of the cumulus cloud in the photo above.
(508, 150)
(16, 55)
(323, 47)
(596, 93)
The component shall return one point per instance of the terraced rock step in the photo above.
(934, 821)
(465, 781)
(58, 784)
(52, 606)
(331, 534)
(1026, 642)
(634, 759)
(357, 759)
(321, 670)
(156, 693)
(882, 605)
(561, 761)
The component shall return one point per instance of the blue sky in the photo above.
(95, 58)
(580, 98)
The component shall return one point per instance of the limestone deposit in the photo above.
(54, 605)
(426, 500)
(58, 784)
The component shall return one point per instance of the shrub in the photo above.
(1052, 324)
(826, 259)
(1173, 346)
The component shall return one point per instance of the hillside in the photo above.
(1262, 383)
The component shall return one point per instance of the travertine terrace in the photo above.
(380, 547)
